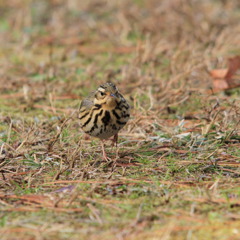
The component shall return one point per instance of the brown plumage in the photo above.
(104, 113)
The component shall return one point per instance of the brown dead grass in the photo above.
(175, 174)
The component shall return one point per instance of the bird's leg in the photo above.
(105, 157)
(115, 140)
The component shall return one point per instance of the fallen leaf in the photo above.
(223, 78)
(234, 65)
(220, 84)
(219, 73)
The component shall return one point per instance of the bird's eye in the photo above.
(102, 93)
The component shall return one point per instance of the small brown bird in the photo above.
(104, 113)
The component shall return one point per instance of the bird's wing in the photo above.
(86, 105)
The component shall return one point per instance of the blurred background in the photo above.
(66, 46)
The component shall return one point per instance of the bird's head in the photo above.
(107, 96)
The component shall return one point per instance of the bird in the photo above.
(104, 113)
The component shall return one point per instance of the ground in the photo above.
(175, 172)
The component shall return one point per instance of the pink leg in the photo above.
(105, 157)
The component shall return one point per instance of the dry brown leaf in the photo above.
(219, 73)
(234, 65)
(223, 78)
(220, 84)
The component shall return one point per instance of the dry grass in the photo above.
(175, 174)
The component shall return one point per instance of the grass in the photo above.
(175, 173)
